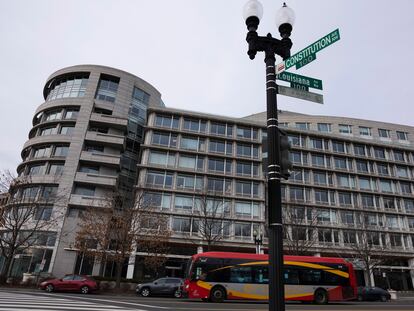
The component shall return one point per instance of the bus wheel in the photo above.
(217, 294)
(320, 297)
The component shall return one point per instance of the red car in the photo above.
(72, 283)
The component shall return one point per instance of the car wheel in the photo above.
(50, 288)
(145, 292)
(84, 290)
(320, 297)
(217, 294)
(360, 298)
(383, 298)
(177, 294)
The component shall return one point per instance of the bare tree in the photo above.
(299, 224)
(367, 247)
(116, 231)
(212, 212)
(27, 218)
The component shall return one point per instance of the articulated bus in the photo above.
(216, 276)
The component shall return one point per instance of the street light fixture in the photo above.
(285, 17)
(258, 241)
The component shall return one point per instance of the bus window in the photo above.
(291, 276)
(261, 274)
(310, 276)
(240, 274)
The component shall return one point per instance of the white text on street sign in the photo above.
(298, 79)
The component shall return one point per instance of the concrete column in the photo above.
(411, 265)
(96, 267)
(131, 266)
(317, 255)
(199, 249)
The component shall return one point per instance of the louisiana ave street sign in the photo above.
(293, 92)
(306, 53)
(298, 79)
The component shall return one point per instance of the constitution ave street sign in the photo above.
(298, 79)
(307, 55)
(293, 92)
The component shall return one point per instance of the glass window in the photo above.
(164, 139)
(167, 121)
(53, 115)
(405, 187)
(398, 155)
(68, 86)
(189, 182)
(365, 183)
(364, 131)
(223, 147)
(67, 130)
(338, 146)
(302, 125)
(392, 222)
(42, 152)
(324, 127)
(247, 188)
(159, 179)
(221, 129)
(194, 125)
(319, 178)
(367, 200)
(409, 205)
(48, 131)
(71, 113)
(318, 160)
(343, 181)
(296, 194)
(340, 163)
(183, 202)
(316, 143)
(402, 135)
(385, 185)
(61, 151)
(219, 165)
(402, 171)
(56, 169)
(43, 213)
(161, 158)
(247, 169)
(384, 133)
(242, 230)
(89, 169)
(157, 199)
(345, 128)
(362, 166)
(321, 196)
(294, 140)
(191, 162)
(181, 224)
(247, 150)
(389, 203)
(359, 150)
(382, 169)
(345, 198)
(395, 240)
(379, 153)
(37, 170)
(347, 217)
(107, 88)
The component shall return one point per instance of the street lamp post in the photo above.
(258, 241)
(252, 13)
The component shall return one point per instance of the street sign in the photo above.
(308, 51)
(292, 92)
(298, 79)
(305, 61)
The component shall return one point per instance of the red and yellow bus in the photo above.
(216, 276)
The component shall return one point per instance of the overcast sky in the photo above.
(194, 53)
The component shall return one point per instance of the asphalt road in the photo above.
(11, 300)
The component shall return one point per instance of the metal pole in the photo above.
(274, 201)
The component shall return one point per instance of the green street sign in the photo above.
(299, 87)
(305, 61)
(298, 79)
(309, 50)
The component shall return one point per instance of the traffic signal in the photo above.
(285, 163)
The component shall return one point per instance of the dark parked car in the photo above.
(163, 286)
(71, 283)
(373, 293)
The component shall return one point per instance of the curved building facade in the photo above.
(84, 143)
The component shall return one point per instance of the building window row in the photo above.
(56, 114)
(199, 144)
(204, 126)
(58, 129)
(47, 168)
(68, 86)
(337, 146)
(46, 151)
(348, 129)
(201, 184)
